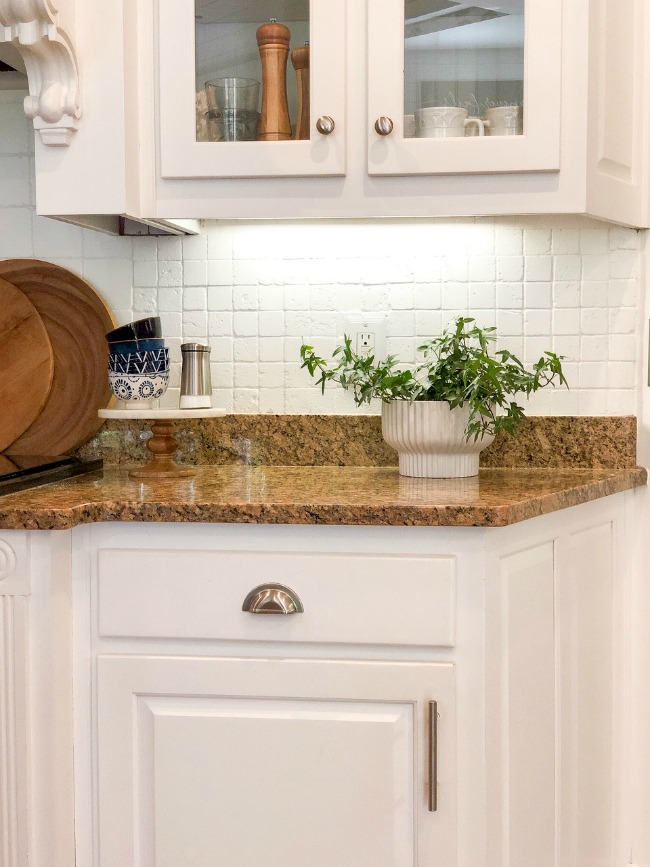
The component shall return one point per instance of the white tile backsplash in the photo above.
(14, 180)
(254, 291)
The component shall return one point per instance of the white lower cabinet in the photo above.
(446, 697)
(276, 763)
(238, 738)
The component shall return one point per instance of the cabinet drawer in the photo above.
(347, 598)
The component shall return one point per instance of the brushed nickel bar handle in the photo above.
(433, 756)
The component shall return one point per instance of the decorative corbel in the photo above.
(54, 101)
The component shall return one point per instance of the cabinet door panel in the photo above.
(276, 782)
(329, 765)
(472, 54)
(182, 156)
(521, 721)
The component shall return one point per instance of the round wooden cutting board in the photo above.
(76, 319)
(26, 363)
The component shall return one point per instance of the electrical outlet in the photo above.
(367, 331)
(365, 342)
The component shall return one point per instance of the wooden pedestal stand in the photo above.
(162, 443)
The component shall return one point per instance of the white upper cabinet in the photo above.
(392, 108)
(463, 88)
(401, 108)
(446, 87)
(243, 123)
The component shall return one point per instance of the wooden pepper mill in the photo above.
(273, 43)
(300, 62)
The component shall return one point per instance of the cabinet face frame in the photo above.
(537, 150)
(181, 156)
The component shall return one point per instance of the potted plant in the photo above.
(441, 412)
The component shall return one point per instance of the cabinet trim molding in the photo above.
(13, 716)
(54, 101)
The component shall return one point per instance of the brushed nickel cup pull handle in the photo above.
(325, 125)
(433, 756)
(383, 126)
(272, 599)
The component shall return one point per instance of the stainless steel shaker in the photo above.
(196, 387)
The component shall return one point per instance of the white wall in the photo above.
(255, 290)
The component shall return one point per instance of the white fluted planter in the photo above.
(429, 438)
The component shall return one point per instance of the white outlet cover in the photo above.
(352, 322)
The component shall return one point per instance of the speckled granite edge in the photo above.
(319, 495)
(355, 440)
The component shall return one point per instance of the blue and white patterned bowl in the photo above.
(137, 378)
(154, 362)
(138, 390)
(129, 346)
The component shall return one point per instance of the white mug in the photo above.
(445, 122)
(409, 126)
(504, 120)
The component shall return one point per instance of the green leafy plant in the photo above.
(456, 367)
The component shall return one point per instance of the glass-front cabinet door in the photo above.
(463, 87)
(251, 88)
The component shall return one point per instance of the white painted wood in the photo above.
(14, 815)
(347, 599)
(586, 697)
(14, 564)
(625, 758)
(619, 125)
(181, 156)
(632, 700)
(54, 101)
(68, 180)
(14, 705)
(49, 697)
(537, 150)
(361, 195)
(547, 686)
(119, 131)
(161, 175)
(329, 767)
(99, 175)
(36, 793)
(83, 663)
(521, 713)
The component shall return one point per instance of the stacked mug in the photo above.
(443, 121)
(138, 363)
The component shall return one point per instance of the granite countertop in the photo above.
(314, 495)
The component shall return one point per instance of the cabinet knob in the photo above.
(272, 599)
(325, 125)
(383, 126)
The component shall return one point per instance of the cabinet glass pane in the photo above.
(246, 91)
(463, 68)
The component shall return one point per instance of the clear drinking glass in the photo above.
(233, 109)
(232, 125)
(468, 58)
(233, 94)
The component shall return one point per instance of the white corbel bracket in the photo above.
(54, 101)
